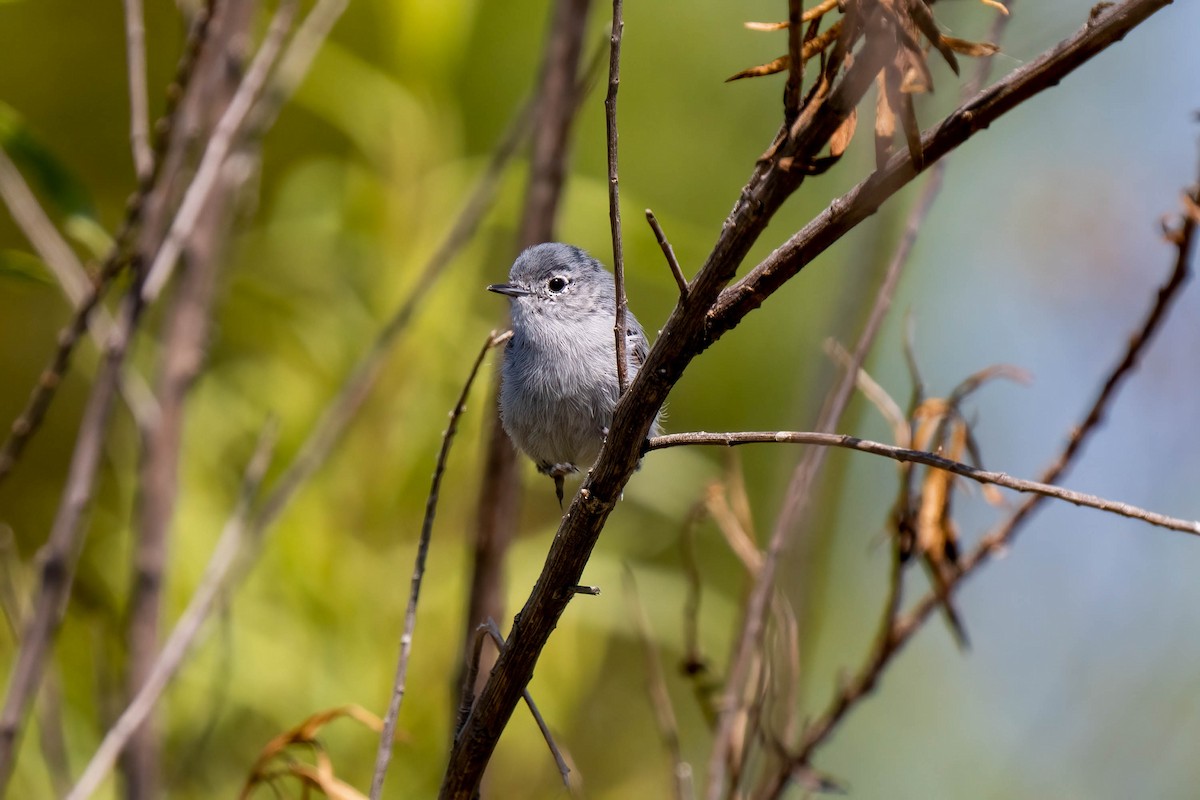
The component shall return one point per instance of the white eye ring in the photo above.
(556, 284)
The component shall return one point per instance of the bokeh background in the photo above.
(1044, 252)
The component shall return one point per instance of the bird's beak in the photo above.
(508, 289)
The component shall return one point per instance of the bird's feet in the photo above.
(557, 472)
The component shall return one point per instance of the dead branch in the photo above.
(696, 324)
(384, 754)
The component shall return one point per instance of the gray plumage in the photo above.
(559, 379)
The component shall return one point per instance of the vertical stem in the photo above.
(614, 194)
(498, 507)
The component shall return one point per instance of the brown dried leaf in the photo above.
(766, 26)
(842, 136)
(1003, 9)
(778, 65)
(969, 48)
(922, 17)
(306, 733)
(885, 124)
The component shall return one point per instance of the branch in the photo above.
(1045, 72)
(213, 583)
(60, 555)
(668, 254)
(384, 754)
(930, 460)
(905, 627)
(139, 106)
(44, 391)
(71, 276)
(695, 324)
(799, 489)
(560, 91)
(217, 149)
(614, 195)
(184, 333)
(678, 343)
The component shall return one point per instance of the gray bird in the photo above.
(558, 384)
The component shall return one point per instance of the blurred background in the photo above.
(1044, 251)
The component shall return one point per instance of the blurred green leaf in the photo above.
(22, 266)
(41, 167)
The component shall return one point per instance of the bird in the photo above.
(558, 380)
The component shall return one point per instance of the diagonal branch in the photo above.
(43, 393)
(214, 581)
(799, 490)
(696, 323)
(903, 628)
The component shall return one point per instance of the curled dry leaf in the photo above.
(305, 733)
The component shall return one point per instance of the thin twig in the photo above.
(225, 555)
(656, 688)
(669, 254)
(72, 278)
(906, 626)
(45, 390)
(614, 195)
(215, 152)
(793, 90)
(184, 336)
(492, 631)
(232, 542)
(295, 62)
(139, 105)
(929, 460)
(60, 555)
(384, 754)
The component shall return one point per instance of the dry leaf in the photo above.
(969, 48)
(842, 136)
(778, 65)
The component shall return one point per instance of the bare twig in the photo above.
(614, 195)
(295, 61)
(904, 627)
(490, 629)
(185, 332)
(43, 393)
(139, 105)
(219, 145)
(694, 326)
(214, 581)
(656, 687)
(61, 553)
(384, 754)
(929, 460)
(793, 90)
(669, 254)
(71, 276)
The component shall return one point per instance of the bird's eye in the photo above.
(557, 284)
